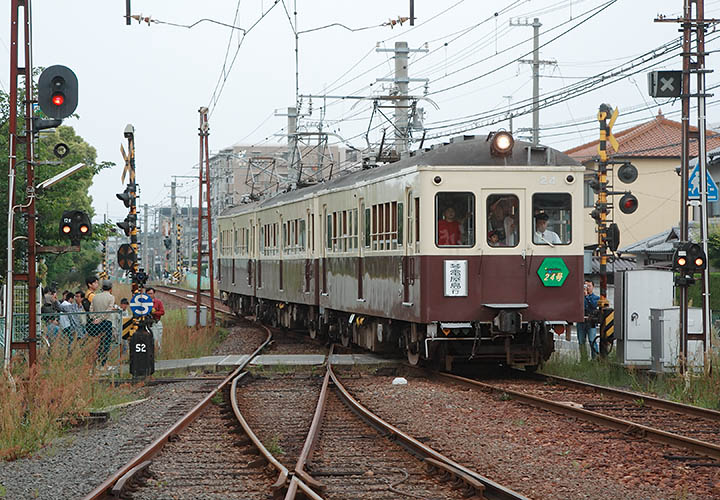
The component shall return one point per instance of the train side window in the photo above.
(454, 215)
(503, 222)
(552, 218)
(367, 228)
(400, 234)
(329, 231)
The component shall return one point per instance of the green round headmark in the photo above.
(553, 271)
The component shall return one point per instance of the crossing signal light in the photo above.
(75, 224)
(128, 224)
(126, 196)
(58, 92)
(168, 242)
(689, 259)
(628, 203)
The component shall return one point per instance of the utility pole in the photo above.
(401, 121)
(204, 213)
(699, 23)
(173, 220)
(294, 158)
(536, 62)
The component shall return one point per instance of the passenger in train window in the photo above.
(449, 228)
(493, 239)
(502, 219)
(543, 235)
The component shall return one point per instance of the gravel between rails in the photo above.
(206, 463)
(535, 452)
(76, 463)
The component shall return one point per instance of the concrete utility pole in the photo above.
(294, 157)
(536, 62)
(402, 104)
(173, 220)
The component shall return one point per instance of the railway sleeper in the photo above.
(129, 482)
(460, 479)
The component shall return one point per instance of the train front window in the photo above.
(503, 222)
(455, 221)
(552, 221)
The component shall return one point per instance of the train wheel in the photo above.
(413, 353)
(344, 333)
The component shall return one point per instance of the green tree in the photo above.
(69, 194)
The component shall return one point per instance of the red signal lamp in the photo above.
(66, 229)
(628, 203)
(58, 99)
(84, 229)
(682, 261)
(699, 262)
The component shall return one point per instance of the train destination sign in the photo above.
(553, 271)
(456, 278)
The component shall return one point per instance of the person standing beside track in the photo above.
(158, 311)
(103, 302)
(587, 331)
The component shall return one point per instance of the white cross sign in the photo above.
(694, 186)
(667, 84)
(141, 304)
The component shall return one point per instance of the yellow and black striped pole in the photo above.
(601, 217)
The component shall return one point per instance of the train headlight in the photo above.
(502, 144)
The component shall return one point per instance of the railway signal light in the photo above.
(167, 242)
(628, 203)
(128, 224)
(58, 91)
(75, 224)
(126, 196)
(627, 173)
(689, 258)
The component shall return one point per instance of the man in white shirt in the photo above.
(543, 235)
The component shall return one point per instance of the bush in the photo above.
(38, 404)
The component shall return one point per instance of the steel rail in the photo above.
(156, 446)
(166, 290)
(652, 401)
(625, 426)
(492, 490)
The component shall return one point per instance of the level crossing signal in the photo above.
(128, 224)
(689, 259)
(628, 203)
(126, 196)
(58, 91)
(75, 224)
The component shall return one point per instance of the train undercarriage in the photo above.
(438, 344)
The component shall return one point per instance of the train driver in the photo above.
(543, 235)
(449, 232)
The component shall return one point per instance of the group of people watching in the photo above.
(80, 315)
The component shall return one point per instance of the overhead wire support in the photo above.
(204, 213)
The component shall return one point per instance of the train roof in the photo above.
(460, 151)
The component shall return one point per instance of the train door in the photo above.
(308, 240)
(503, 267)
(407, 238)
(326, 234)
(360, 228)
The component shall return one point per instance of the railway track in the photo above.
(187, 297)
(675, 424)
(201, 422)
(343, 450)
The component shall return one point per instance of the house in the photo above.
(654, 148)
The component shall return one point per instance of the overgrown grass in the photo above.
(694, 388)
(38, 404)
(180, 341)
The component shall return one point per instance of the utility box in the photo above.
(665, 333)
(142, 353)
(636, 292)
(191, 316)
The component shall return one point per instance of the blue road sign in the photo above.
(694, 185)
(141, 304)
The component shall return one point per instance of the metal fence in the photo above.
(74, 329)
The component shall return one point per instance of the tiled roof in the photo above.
(657, 138)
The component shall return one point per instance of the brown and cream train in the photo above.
(467, 251)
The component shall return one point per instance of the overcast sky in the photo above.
(156, 77)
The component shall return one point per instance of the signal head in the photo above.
(628, 203)
(58, 92)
